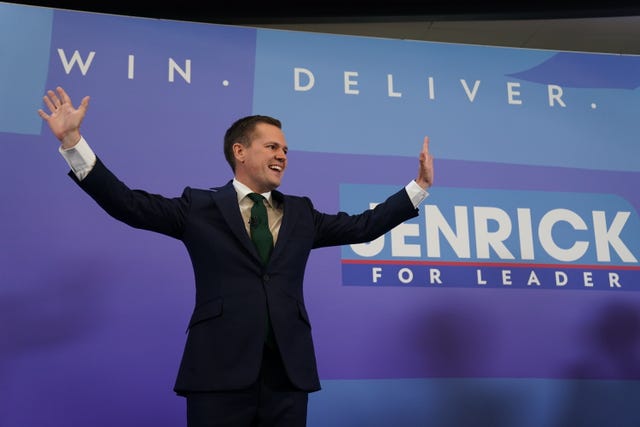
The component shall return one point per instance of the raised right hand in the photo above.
(63, 118)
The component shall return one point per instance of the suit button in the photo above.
(265, 278)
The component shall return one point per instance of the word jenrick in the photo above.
(495, 230)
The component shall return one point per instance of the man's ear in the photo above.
(239, 152)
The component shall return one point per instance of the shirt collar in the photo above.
(242, 191)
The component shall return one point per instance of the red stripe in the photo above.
(489, 264)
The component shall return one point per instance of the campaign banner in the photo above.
(477, 238)
(512, 293)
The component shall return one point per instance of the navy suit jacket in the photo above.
(225, 340)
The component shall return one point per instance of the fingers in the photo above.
(63, 95)
(425, 173)
(43, 115)
(84, 104)
(424, 154)
(54, 100)
(59, 99)
(48, 102)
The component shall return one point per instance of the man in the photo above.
(249, 357)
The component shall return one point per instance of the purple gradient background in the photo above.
(93, 313)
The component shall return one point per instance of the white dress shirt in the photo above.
(274, 211)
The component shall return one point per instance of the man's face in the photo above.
(261, 165)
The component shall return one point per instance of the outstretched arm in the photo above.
(63, 118)
(425, 168)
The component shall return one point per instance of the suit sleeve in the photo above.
(137, 208)
(346, 229)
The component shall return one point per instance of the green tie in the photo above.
(259, 226)
(262, 238)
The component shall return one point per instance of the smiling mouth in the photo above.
(276, 168)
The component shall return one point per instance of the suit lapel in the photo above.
(289, 219)
(226, 199)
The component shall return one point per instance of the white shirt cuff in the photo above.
(416, 193)
(81, 158)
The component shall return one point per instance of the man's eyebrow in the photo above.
(279, 144)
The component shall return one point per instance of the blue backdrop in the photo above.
(510, 301)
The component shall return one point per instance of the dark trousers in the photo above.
(271, 402)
